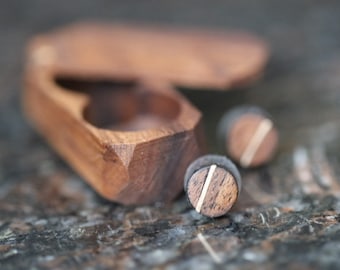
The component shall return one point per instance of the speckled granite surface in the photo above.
(288, 216)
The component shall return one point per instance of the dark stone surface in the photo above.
(289, 213)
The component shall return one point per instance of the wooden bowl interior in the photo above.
(123, 106)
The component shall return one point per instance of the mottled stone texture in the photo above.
(289, 213)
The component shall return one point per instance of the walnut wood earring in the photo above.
(248, 136)
(212, 184)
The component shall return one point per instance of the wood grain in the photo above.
(221, 194)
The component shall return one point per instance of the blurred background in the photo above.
(302, 35)
(44, 204)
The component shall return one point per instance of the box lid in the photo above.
(192, 58)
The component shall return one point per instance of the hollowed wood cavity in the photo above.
(123, 106)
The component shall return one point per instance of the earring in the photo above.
(212, 184)
(248, 136)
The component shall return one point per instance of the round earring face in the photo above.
(212, 184)
(248, 135)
